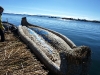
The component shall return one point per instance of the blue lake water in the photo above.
(81, 33)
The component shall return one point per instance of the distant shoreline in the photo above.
(84, 20)
(63, 18)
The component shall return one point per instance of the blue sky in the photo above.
(84, 9)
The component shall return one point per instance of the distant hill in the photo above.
(65, 18)
(34, 15)
(81, 20)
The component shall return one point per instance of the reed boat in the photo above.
(57, 52)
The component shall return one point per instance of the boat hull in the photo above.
(60, 54)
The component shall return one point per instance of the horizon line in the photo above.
(51, 15)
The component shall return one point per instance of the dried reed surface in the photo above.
(16, 59)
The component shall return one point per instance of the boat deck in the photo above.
(16, 58)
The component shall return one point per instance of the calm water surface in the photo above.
(81, 33)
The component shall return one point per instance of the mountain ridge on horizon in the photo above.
(66, 18)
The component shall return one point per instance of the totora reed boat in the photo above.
(57, 52)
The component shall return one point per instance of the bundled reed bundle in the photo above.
(78, 60)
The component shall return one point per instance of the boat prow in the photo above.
(58, 53)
